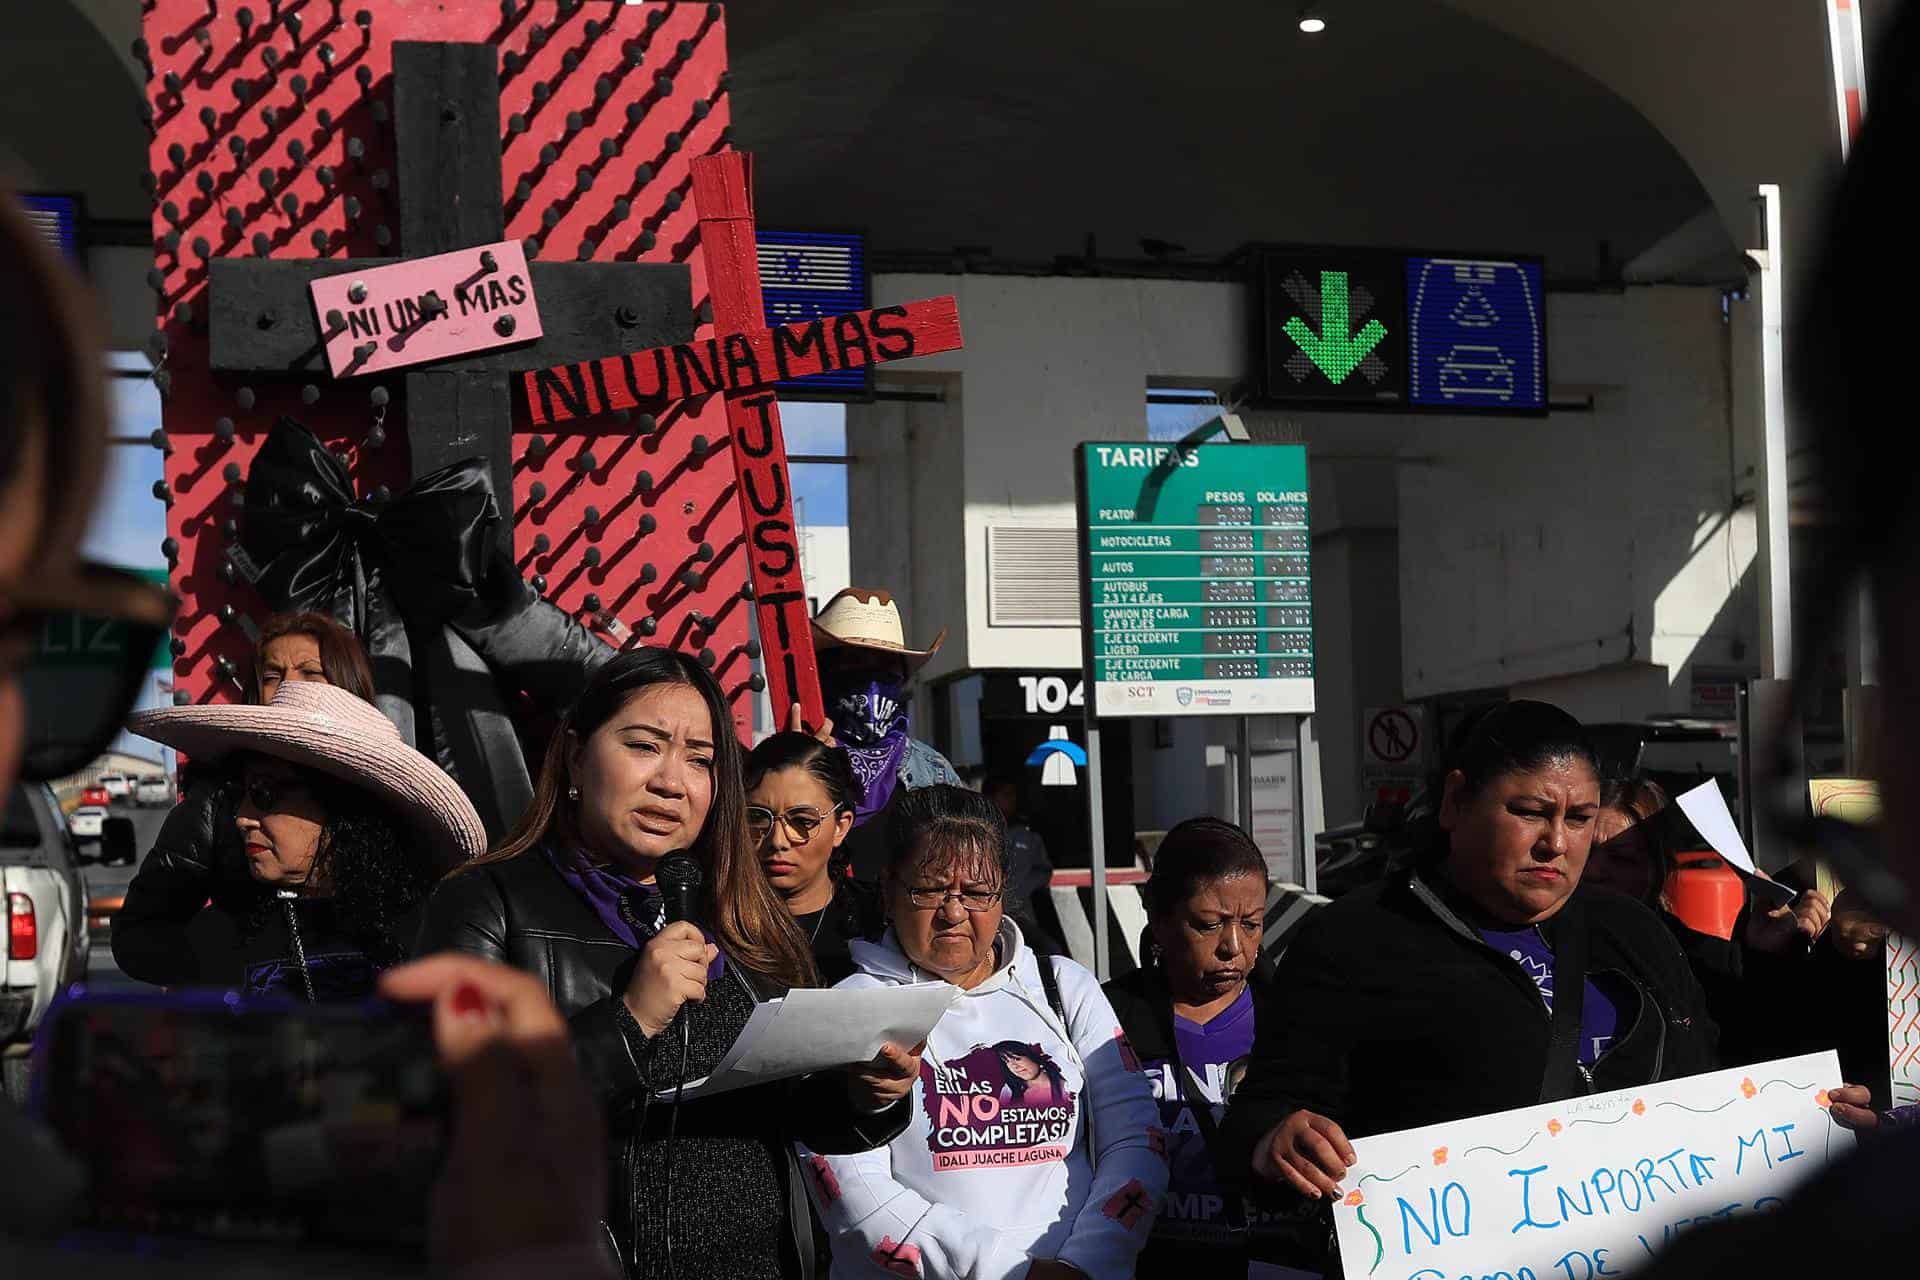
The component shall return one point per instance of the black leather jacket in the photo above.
(198, 856)
(1390, 1012)
(520, 912)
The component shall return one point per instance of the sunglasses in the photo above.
(266, 794)
(800, 823)
(81, 652)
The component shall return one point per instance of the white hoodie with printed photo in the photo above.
(1028, 1139)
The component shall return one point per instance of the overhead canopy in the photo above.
(1487, 124)
(1028, 127)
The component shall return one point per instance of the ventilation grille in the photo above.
(1033, 576)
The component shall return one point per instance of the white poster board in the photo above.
(1903, 1018)
(1589, 1187)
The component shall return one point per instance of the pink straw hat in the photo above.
(319, 726)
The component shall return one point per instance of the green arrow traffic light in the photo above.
(1336, 351)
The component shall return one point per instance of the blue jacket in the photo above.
(922, 766)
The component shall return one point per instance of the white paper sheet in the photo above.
(811, 1030)
(1707, 809)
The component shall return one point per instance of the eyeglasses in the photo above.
(82, 653)
(266, 794)
(801, 822)
(936, 899)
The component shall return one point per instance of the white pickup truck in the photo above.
(45, 907)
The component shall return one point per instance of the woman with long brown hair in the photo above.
(197, 867)
(646, 764)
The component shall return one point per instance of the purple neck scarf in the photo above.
(631, 911)
(870, 720)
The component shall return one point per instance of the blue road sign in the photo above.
(807, 274)
(1476, 334)
(58, 219)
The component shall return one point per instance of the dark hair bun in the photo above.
(1196, 852)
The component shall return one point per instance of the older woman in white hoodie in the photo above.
(1032, 1153)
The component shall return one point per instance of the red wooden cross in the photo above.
(742, 361)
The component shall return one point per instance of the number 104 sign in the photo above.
(1587, 1188)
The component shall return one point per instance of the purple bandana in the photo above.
(871, 723)
(623, 904)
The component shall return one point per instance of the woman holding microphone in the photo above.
(646, 764)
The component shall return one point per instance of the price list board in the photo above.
(1196, 579)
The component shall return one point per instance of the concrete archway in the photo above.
(72, 109)
(1027, 128)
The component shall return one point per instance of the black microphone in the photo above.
(678, 877)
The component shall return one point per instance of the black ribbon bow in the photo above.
(451, 628)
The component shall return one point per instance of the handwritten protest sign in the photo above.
(1855, 800)
(1903, 1018)
(421, 309)
(1589, 1187)
(749, 361)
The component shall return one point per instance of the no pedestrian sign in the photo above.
(1393, 735)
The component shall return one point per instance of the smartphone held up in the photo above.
(210, 1116)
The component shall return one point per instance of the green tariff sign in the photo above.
(1196, 578)
(1333, 326)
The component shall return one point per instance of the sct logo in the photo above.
(1183, 696)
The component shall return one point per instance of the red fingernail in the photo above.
(468, 1002)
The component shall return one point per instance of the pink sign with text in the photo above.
(450, 304)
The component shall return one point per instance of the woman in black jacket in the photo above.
(160, 933)
(344, 828)
(1190, 1013)
(645, 764)
(801, 794)
(1483, 979)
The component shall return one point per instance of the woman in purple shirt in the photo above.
(1482, 978)
(1189, 1015)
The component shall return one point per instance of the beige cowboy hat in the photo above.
(867, 618)
(321, 727)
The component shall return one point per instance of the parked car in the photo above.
(119, 786)
(47, 940)
(96, 795)
(85, 823)
(153, 790)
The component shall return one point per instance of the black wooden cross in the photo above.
(446, 108)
